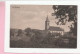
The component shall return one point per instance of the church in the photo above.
(53, 30)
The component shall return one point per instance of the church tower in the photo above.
(47, 23)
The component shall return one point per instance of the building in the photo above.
(53, 30)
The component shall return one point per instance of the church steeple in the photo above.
(47, 23)
(47, 18)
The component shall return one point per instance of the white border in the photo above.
(38, 50)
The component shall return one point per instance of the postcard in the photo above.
(42, 27)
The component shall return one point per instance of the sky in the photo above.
(32, 16)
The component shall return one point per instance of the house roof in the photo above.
(55, 28)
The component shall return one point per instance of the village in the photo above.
(50, 37)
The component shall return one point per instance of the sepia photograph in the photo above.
(43, 26)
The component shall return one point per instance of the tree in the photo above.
(66, 14)
(28, 30)
(19, 32)
(11, 32)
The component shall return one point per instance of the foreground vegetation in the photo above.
(41, 39)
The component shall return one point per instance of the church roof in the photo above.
(55, 28)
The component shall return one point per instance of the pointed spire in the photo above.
(47, 18)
